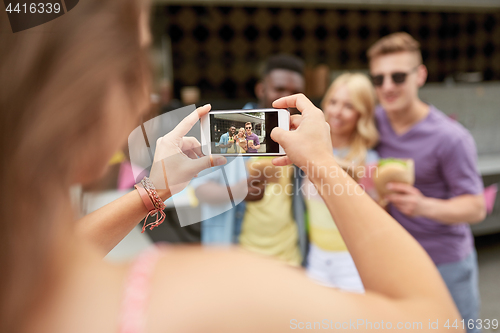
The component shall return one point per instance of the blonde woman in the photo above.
(241, 141)
(348, 106)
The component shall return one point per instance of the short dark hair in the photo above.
(232, 126)
(282, 61)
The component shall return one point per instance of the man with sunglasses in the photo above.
(447, 195)
(252, 139)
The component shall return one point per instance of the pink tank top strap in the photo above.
(137, 291)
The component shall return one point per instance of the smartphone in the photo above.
(243, 132)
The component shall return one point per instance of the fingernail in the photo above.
(206, 105)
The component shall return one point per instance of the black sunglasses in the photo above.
(248, 127)
(397, 77)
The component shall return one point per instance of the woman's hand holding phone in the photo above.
(179, 159)
(308, 143)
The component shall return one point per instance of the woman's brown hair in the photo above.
(54, 79)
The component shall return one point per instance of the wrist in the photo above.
(321, 169)
(155, 199)
(164, 194)
(426, 207)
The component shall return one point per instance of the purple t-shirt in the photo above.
(445, 166)
(256, 142)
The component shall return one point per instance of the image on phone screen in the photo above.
(245, 132)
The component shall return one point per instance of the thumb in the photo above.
(279, 135)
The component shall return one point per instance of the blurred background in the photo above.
(211, 51)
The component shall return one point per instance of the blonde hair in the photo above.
(365, 135)
(394, 43)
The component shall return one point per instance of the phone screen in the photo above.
(246, 132)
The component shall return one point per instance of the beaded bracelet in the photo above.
(153, 203)
(145, 197)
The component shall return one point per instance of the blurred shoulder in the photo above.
(449, 130)
(208, 282)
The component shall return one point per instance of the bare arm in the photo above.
(464, 208)
(256, 146)
(467, 208)
(229, 290)
(249, 294)
(107, 226)
(243, 146)
(182, 158)
(227, 145)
